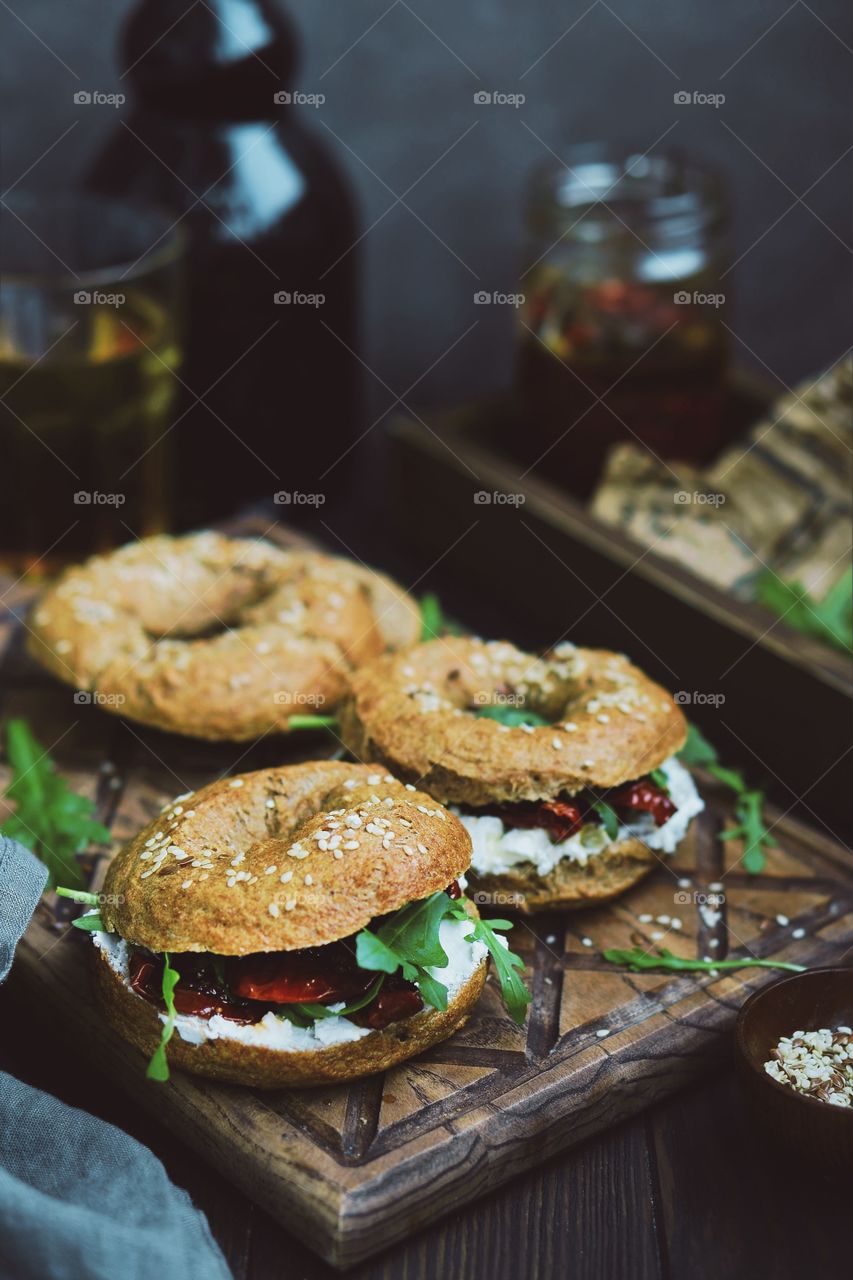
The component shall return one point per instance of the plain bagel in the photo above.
(216, 637)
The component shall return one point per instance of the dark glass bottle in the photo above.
(271, 270)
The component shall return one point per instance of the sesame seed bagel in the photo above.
(281, 859)
(266, 1068)
(569, 885)
(413, 712)
(216, 637)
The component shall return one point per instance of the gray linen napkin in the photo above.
(80, 1199)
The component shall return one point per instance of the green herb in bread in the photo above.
(315, 917)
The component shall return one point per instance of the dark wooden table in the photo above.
(691, 1189)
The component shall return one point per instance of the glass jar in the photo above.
(621, 334)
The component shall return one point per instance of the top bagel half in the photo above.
(419, 713)
(216, 637)
(281, 859)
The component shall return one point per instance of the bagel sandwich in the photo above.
(562, 768)
(295, 926)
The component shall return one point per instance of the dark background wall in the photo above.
(399, 78)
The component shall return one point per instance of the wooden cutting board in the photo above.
(352, 1169)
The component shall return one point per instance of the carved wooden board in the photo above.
(351, 1169)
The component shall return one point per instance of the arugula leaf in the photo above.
(92, 923)
(158, 1067)
(731, 777)
(78, 895)
(432, 618)
(751, 827)
(830, 619)
(52, 821)
(658, 776)
(294, 1013)
(637, 960)
(312, 722)
(697, 750)
(409, 941)
(609, 819)
(434, 621)
(323, 1010)
(513, 716)
(508, 966)
(433, 991)
(372, 953)
(413, 931)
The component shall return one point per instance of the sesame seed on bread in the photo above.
(217, 637)
(281, 859)
(413, 712)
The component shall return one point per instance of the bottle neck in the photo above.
(224, 60)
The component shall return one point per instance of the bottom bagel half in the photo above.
(569, 885)
(232, 1060)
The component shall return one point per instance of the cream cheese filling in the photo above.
(498, 848)
(275, 1032)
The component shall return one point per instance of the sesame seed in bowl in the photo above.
(795, 1059)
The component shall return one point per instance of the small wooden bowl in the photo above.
(801, 1002)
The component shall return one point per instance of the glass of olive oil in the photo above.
(90, 343)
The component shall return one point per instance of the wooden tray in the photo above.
(352, 1169)
(787, 697)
